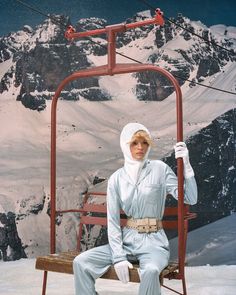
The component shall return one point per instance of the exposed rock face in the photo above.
(11, 246)
(42, 58)
(206, 58)
(213, 157)
(207, 67)
(30, 205)
(44, 61)
(10, 243)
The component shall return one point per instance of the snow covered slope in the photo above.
(20, 277)
(212, 244)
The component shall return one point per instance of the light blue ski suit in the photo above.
(144, 199)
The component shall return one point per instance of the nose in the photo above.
(140, 146)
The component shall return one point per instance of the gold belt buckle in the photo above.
(144, 226)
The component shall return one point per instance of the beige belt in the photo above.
(145, 225)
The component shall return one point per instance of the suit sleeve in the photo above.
(190, 187)
(113, 223)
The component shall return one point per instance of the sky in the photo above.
(13, 15)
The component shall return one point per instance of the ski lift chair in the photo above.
(95, 214)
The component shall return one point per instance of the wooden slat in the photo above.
(99, 220)
(55, 263)
(170, 224)
(169, 211)
(93, 220)
(133, 273)
(97, 194)
(63, 263)
(95, 208)
(102, 208)
(167, 224)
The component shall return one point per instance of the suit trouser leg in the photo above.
(151, 265)
(89, 266)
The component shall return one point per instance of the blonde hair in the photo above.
(142, 134)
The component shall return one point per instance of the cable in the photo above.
(176, 76)
(121, 54)
(31, 8)
(130, 58)
(40, 12)
(56, 21)
(197, 35)
(207, 86)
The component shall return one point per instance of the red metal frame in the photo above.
(112, 68)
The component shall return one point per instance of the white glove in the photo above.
(181, 151)
(122, 270)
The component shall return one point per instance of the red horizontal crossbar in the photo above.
(98, 220)
(102, 208)
(157, 20)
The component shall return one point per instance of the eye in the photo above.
(134, 142)
(145, 142)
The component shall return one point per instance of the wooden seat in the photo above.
(62, 263)
(93, 212)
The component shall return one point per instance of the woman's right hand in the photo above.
(122, 270)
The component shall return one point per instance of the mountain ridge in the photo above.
(170, 47)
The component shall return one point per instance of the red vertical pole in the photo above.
(111, 45)
(179, 115)
(179, 118)
(111, 56)
(45, 276)
(53, 163)
(53, 176)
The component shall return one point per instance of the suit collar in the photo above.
(144, 172)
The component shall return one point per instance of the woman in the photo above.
(140, 189)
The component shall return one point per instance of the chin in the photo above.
(139, 158)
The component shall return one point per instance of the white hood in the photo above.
(132, 167)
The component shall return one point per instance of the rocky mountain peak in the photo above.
(42, 57)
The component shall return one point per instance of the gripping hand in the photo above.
(181, 151)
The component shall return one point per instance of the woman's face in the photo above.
(138, 148)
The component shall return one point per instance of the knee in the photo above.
(152, 271)
(80, 261)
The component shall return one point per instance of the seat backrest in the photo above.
(96, 214)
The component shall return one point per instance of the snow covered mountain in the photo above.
(33, 62)
(171, 47)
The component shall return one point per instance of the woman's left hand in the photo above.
(122, 270)
(181, 151)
